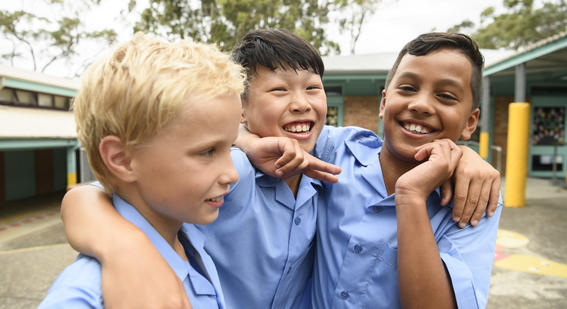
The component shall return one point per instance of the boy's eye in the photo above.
(407, 88)
(314, 87)
(208, 153)
(447, 96)
(277, 89)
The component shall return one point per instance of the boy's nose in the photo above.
(229, 175)
(421, 104)
(299, 104)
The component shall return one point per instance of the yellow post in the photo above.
(71, 180)
(483, 145)
(517, 154)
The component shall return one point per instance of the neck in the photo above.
(393, 168)
(166, 226)
(293, 183)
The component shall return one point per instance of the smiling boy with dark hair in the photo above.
(394, 244)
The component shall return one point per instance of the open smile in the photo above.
(416, 128)
(299, 127)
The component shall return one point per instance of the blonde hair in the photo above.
(140, 88)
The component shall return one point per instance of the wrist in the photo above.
(409, 199)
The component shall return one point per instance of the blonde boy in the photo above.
(157, 130)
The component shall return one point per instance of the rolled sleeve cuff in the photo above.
(461, 280)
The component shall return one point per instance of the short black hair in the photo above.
(429, 42)
(273, 49)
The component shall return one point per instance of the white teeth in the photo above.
(298, 128)
(216, 199)
(416, 128)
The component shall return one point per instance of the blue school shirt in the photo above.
(79, 285)
(262, 240)
(356, 261)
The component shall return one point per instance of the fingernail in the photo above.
(462, 225)
(474, 222)
(491, 213)
(279, 173)
(456, 219)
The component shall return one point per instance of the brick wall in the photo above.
(500, 128)
(361, 111)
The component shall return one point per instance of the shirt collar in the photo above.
(361, 144)
(179, 266)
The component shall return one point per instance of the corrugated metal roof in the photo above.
(22, 123)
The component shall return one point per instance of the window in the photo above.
(333, 90)
(334, 111)
(61, 102)
(45, 100)
(548, 126)
(10, 96)
(545, 163)
(25, 98)
(6, 95)
(332, 116)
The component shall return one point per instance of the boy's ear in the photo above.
(243, 116)
(117, 158)
(470, 125)
(382, 104)
(243, 103)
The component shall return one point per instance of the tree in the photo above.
(44, 39)
(224, 22)
(352, 23)
(521, 25)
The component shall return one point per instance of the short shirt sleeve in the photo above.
(468, 255)
(78, 286)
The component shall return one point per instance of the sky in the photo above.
(393, 24)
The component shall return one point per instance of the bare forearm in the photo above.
(423, 281)
(92, 223)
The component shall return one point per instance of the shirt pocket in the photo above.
(365, 265)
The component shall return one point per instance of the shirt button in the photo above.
(344, 294)
(377, 209)
(357, 248)
(297, 221)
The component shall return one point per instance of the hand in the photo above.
(283, 157)
(477, 184)
(141, 279)
(442, 159)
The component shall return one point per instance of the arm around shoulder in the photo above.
(94, 227)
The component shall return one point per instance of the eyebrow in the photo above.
(442, 82)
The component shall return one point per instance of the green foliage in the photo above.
(47, 39)
(522, 24)
(224, 22)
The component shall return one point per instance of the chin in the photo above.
(206, 219)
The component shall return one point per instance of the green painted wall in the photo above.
(19, 173)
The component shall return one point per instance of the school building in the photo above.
(536, 74)
(38, 145)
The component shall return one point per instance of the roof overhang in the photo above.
(37, 82)
(545, 60)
